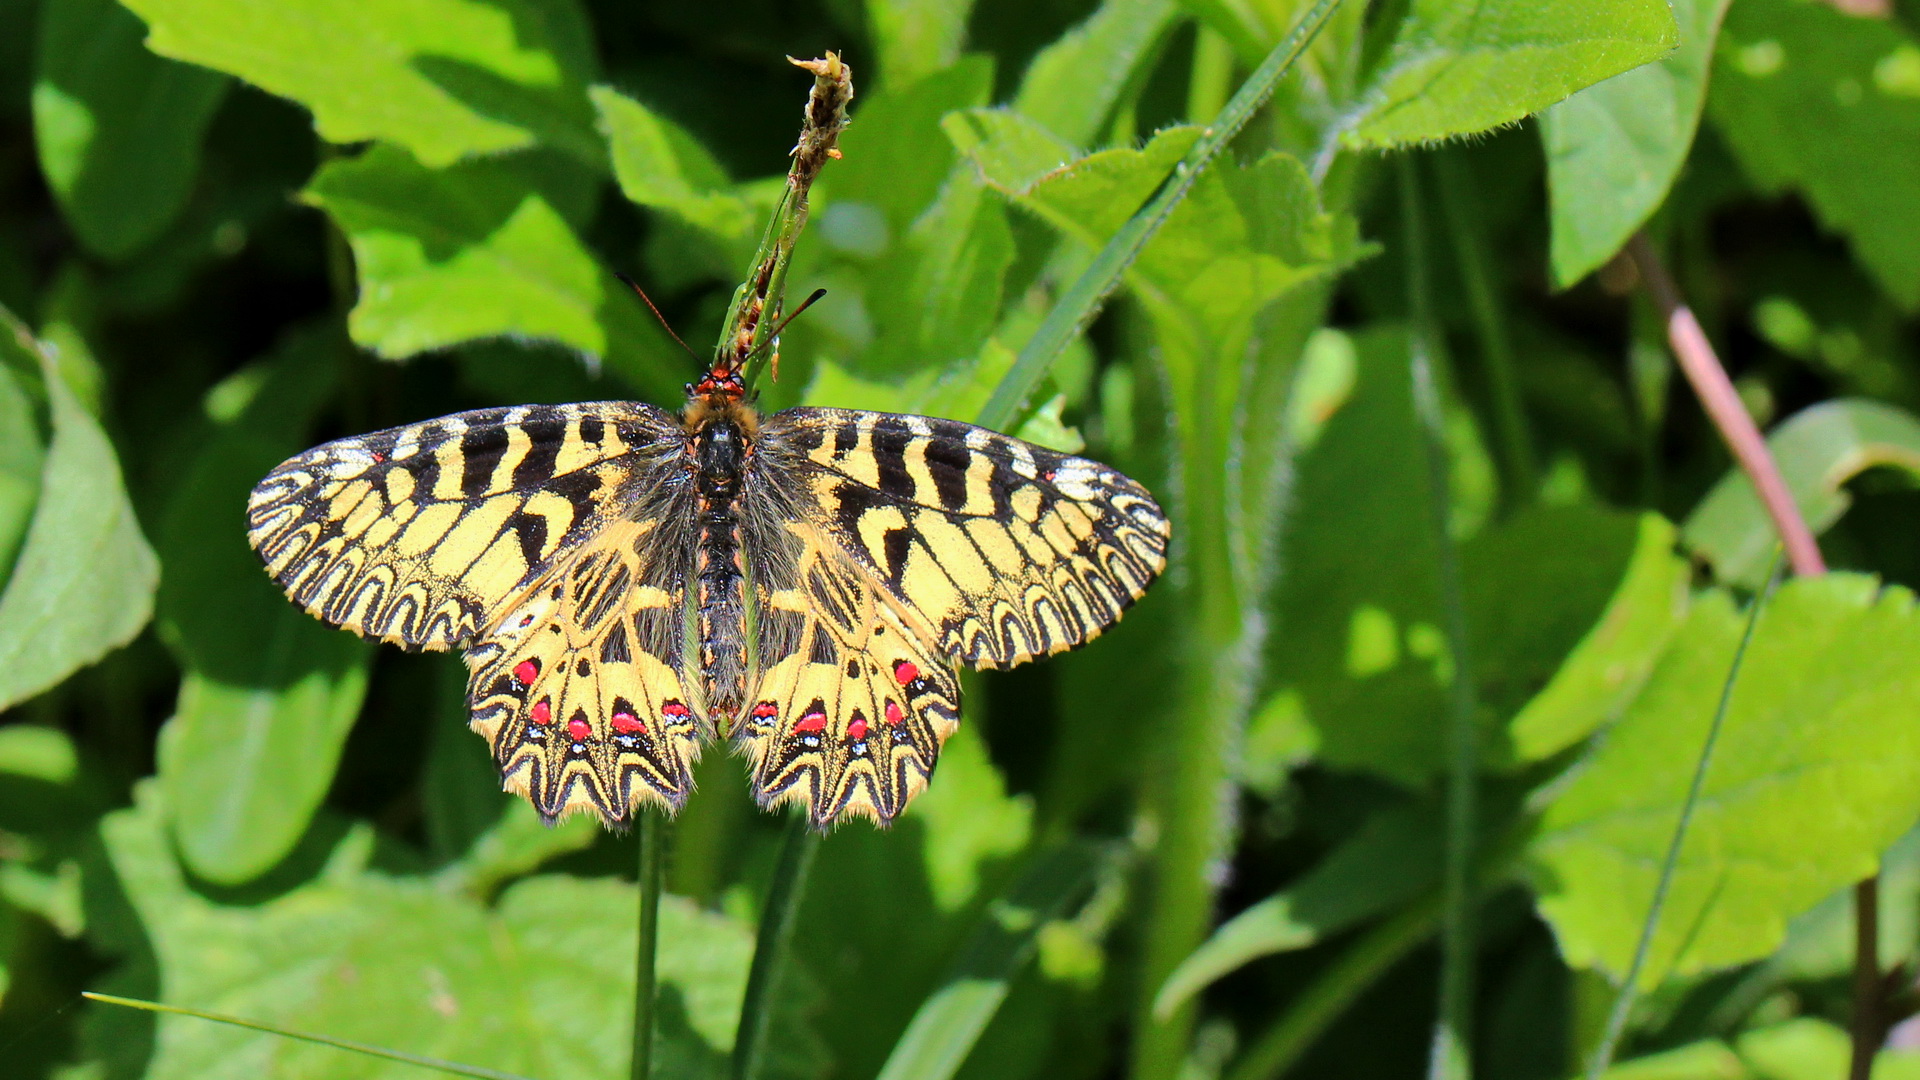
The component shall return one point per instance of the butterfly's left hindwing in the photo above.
(552, 544)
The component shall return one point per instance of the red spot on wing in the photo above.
(628, 724)
(542, 712)
(894, 715)
(676, 710)
(526, 671)
(766, 710)
(858, 729)
(906, 671)
(812, 722)
(579, 728)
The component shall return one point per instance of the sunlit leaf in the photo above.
(1459, 67)
(443, 78)
(916, 37)
(475, 251)
(1826, 713)
(539, 984)
(83, 582)
(1614, 148)
(1075, 82)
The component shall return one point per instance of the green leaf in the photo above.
(1827, 707)
(895, 158)
(1461, 67)
(1604, 673)
(1811, 99)
(1706, 1060)
(1074, 83)
(936, 298)
(539, 984)
(1390, 860)
(1819, 449)
(1807, 1048)
(21, 458)
(916, 37)
(83, 583)
(269, 693)
(1614, 148)
(660, 165)
(950, 1021)
(442, 78)
(118, 128)
(479, 250)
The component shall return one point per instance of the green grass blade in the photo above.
(949, 1022)
(452, 1067)
(1081, 302)
(1629, 988)
(770, 950)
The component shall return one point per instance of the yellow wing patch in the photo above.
(417, 535)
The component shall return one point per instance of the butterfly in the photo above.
(628, 584)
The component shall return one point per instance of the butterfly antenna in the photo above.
(775, 336)
(648, 300)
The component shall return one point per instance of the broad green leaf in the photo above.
(269, 692)
(442, 78)
(895, 158)
(1073, 84)
(1708, 1060)
(540, 983)
(970, 820)
(1813, 99)
(936, 297)
(1357, 663)
(660, 165)
(1460, 67)
(476, 251)
(1819, 449)
(1807, 1048)
(21, 458)
(916, 37)
(1614, 148)
(118, 129)
(1393, 858)
(517, 844)
(1604, 673)
(83, 583)
(1821, 942)
(1826, 711)
(951, 1019)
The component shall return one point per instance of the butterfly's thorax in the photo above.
(717, 456)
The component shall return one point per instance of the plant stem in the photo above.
(1630, 988)
(1450, 1059)
(1278, 1048)
(1212, 74)
(1509, 415)
(652, 837)
(770, 949)
(1082, 300)
(1722, 402)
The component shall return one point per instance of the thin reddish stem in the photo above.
(1723, 405)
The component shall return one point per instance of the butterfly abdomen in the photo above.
(718, 461)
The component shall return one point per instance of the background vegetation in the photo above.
(1461, 568)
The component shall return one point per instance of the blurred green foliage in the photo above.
(1208, 844)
